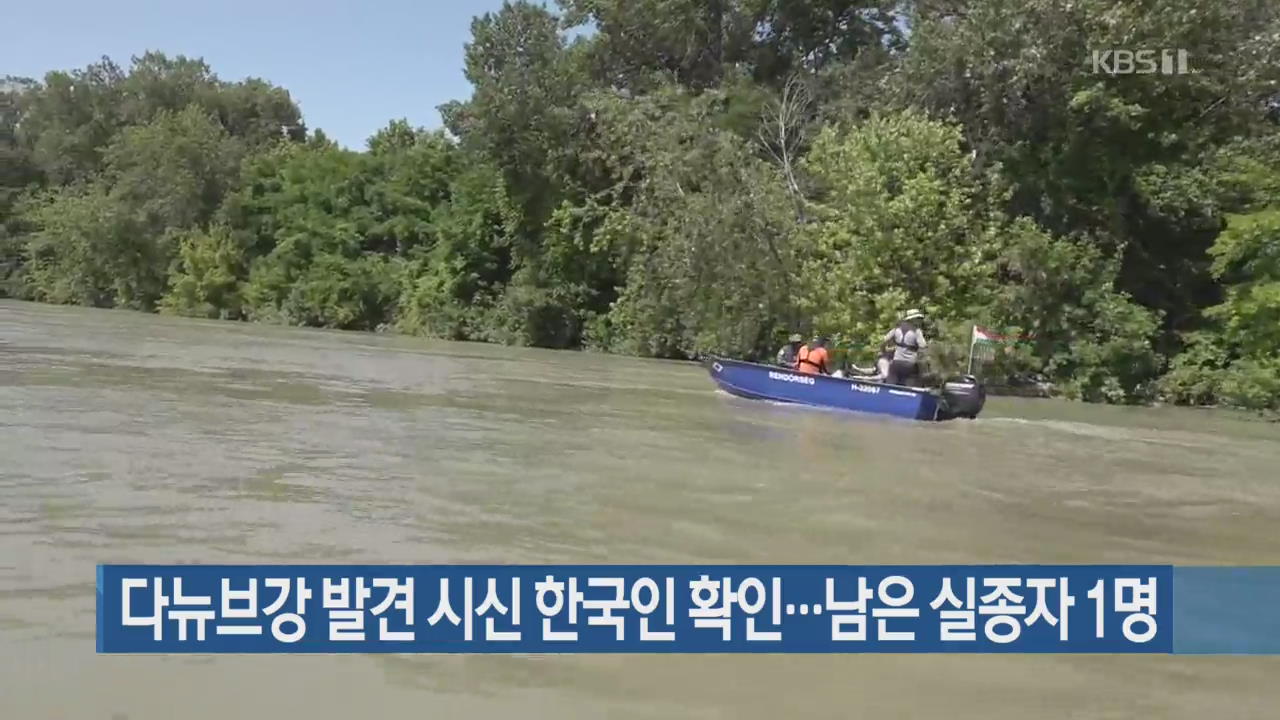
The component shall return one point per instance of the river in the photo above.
(127, 437)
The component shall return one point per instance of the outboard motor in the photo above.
(962, 396)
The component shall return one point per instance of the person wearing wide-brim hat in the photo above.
(787, 353)
(906, 341)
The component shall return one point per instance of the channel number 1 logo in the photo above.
(1141, 62)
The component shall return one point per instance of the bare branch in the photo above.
(1215, 104)
(783, 129)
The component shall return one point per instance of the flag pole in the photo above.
(973, 334)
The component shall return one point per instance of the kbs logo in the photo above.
(1141, 62)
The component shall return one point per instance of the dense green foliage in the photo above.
(710, 176)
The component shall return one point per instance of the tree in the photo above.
(696, 177)
(521, 115)
(703, 232)
(17, 168)
(327, 232)
(108, 241)
(695, 43)
(1096, 153)
(208, 277)
(1233, 355)
(903, 222)
(451, 288)
(68, 120)
(303, 218)
(689, 41)
(18, 172)
(804, 36)
(415, 170)
(907, 220)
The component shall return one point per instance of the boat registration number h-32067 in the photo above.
(870, 390)
(787, 377)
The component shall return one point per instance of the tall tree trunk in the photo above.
(716, 31)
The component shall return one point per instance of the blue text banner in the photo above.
(635, 609)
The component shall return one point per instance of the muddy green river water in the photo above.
(127, 437)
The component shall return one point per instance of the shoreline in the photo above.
(1040, 392)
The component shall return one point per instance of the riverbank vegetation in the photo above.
(710, 176)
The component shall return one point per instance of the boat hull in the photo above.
(765, 382)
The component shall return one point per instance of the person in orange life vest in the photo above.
(812, 359)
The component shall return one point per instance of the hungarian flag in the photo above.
(983, 335)
(982, 344)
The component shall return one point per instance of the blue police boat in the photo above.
(960, 396)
